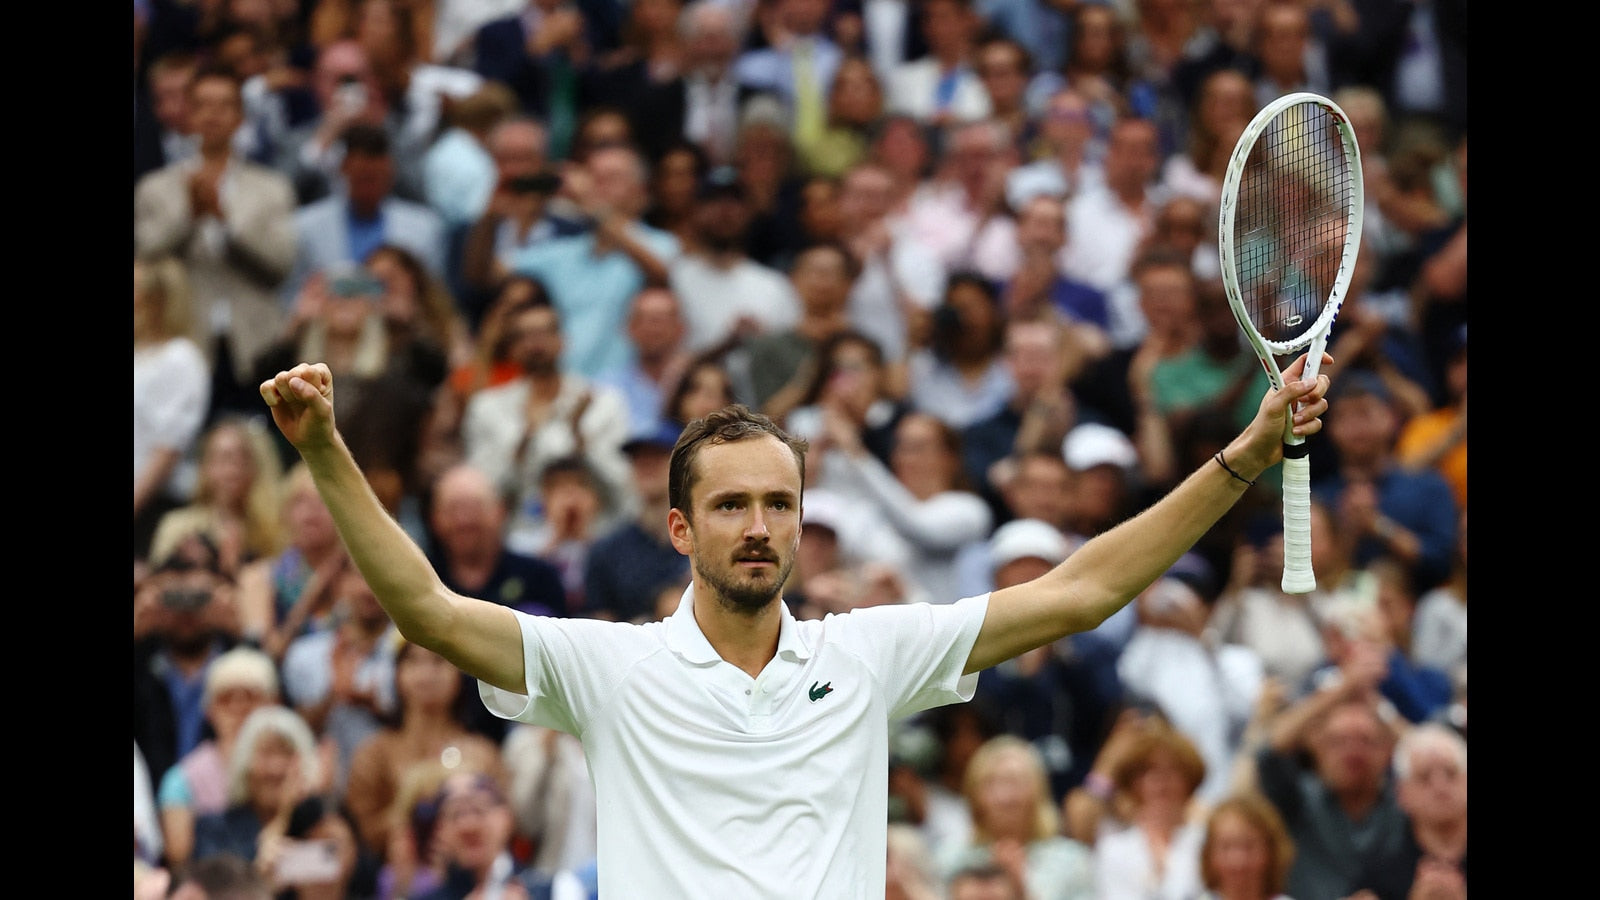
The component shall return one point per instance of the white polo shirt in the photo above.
(710, 783)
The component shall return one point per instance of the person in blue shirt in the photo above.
(593, 277)
(1384, 508)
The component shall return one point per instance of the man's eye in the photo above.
(780, 504)
(728, 505)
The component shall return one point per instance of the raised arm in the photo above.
(1111, 569)
(481, 638)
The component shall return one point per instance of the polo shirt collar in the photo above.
(685, 638)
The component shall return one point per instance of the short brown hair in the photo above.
(1143, 748)
(732, 423)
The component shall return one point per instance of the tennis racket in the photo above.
(1290, 229)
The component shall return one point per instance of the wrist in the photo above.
(1242, 459)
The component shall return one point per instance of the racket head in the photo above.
(1290, 225)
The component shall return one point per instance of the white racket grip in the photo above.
(1297, 575)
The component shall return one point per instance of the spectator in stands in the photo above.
(1015, 825)
(900, 281)
(961, 376)
(161, 114)
(231, 222)
(656, 331)
(922, 493)
(346, 93)
(171, 391)
(428, 723)
(1326, 770)
(1158, 854)
(516, 216)
(628, 564)
(340, 678)
(1247, 851)
(364, 213)
(235, 502)
(183, 617)
(1382, 507)
(275, 788)
(1430, 772)
(284, 595)
(592, 277)
(467, 521)
(733, 296)
(779, 365)
(237, 683)
(514, 431)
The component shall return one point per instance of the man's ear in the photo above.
(681, 530)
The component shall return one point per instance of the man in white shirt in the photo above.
(900, 281)
(727, 295)
(941, 87)
(737, 751)
(1109, 221)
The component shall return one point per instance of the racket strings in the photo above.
(1292, 221)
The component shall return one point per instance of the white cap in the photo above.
(1093, 444)
(1025, 538)
(823, 509)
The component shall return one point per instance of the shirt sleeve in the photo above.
(918, 651)
(571, 667)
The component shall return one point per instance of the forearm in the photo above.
(1104, 574)
(394, 567)
(477, 256)
(655, 271)
(929, 524)
(1287, 731)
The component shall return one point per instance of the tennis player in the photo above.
(737, 752)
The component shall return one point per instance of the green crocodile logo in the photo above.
(817, 693)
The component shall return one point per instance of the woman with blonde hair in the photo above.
(1247, 850)
(171, 393)
(1015, 825)
(284, 595)
(235, 502)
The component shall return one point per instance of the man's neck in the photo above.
(1445, 840)
(653, 520)
(656, 366)
(1131, 195)
(365, 212)
(722, 258)
(1357, 803)
(821, 327)
(1364, 470)
(545, 385)
(472, 568)
(747, 640)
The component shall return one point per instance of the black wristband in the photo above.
(1229, 469)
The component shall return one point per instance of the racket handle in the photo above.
(1297, 575)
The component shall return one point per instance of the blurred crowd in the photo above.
(967, 248)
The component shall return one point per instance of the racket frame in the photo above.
(1298, 577)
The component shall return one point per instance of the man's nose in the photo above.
(756, 530)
